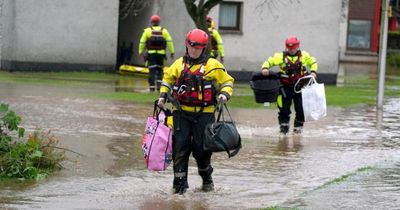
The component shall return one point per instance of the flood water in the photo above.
(270, 170)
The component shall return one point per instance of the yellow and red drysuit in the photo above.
(195, 84)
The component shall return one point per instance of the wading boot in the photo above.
(180, 184)
(298, 130)
(208, 184)
(284, 128)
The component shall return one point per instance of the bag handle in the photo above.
(309, 83)
(220, 107)
(157, 110)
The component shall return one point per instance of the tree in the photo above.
(200, 11)
(131, 7)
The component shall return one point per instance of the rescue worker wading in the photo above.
(293, 65)
(217, 45)
(155, 39)
(197, 82)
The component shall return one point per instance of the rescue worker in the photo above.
(294, 64)
(217, 45)
(155, 39)
(196, 83)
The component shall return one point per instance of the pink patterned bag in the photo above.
(157, 142)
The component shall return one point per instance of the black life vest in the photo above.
(292, 71)
(191, 89)
(156, 40)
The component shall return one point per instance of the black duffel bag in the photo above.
(222, 135)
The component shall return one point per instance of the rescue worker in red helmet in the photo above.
(155, 39)
(217, 45)
(197, 82)
(294, 64)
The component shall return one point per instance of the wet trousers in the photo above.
(287, 95)
(188, 138)
(155, 65)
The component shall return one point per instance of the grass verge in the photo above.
(355, 89)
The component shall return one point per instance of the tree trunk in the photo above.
(199, 13)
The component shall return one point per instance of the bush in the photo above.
(393, 41)
(34, 158)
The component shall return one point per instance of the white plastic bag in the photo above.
(313, 97)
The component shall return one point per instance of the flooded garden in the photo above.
(348, 160)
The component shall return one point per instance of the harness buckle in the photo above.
(182, 89)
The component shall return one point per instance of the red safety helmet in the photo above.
(292, 42)
(155, 19)
(197, 38)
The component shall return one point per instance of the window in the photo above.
(359, 35)
(229, 16)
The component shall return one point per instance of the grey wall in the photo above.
(7, 30)
(266, 26)
(42, 33)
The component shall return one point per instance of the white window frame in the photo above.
(235, 11)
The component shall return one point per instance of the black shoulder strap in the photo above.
(284, 56)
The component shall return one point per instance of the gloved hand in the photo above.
(265, 72)
(222, 98)
(161, 102)
(313, 74)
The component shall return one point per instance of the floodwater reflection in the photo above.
(270, 170)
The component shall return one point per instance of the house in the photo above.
(92, 35)
(252, 31)
(359, 39)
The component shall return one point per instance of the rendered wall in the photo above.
(50, 34)
(265, 26)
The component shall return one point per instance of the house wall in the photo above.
(266, 26)
(80, 35)
(59, 35)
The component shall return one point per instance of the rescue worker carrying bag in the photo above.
(222, 135)
(313, 98)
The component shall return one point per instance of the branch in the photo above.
(191, 9)
(65, 149)
(210, 4)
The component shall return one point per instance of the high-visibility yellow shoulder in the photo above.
(213, 64)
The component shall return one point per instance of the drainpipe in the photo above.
(382, 54)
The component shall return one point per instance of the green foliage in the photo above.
(393, 59)
(32, 159)
(9, 125)
(393, 41)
